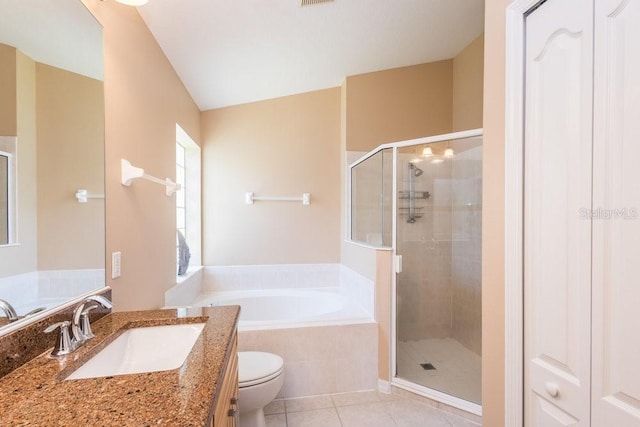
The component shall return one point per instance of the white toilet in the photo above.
(260, 376)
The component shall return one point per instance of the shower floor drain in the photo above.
(427, 366)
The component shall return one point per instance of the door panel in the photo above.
(616, 226)
(547, 414)
(557, 241)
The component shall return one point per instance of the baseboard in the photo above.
(384, 386)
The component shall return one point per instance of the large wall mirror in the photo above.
(52, 237)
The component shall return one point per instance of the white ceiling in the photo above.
(230, 52)
(61, 33)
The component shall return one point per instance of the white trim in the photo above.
(447, 399)
(394, 273)
(418, 141)
(368, 246)
(514, 170)
(394, 146)
(193, 196)
(384, 386)
(9, 149)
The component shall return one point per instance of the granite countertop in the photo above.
(37, 393)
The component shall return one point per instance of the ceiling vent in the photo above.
(314, 2)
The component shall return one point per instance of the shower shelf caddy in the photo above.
(413, 195)
(412, 212)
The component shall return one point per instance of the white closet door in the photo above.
(557, 239)
(616, 225)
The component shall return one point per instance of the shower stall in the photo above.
(423, 199)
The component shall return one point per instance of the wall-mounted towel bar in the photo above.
(129, 173)
(249, 198)
(82, 195)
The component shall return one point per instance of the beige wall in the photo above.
(70, 147)
(22, 258)
(467, 86)
(144, 99)
(398, 104)
(493, 391)
(54, 232)
(383, 281)
(281, 147)
(8, 90)
(390, 106)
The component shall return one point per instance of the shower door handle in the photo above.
(397, 263)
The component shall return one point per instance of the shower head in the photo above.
(415, 170)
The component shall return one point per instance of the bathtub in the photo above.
(48, 288)
(289, 308)
(317, 317)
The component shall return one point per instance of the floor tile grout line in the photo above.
(448, 417)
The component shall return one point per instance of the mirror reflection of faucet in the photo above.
(9, 311)
(12, 315)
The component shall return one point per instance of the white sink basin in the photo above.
(140, 350)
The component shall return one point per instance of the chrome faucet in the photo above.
(81, 325)
(9, 311)
(64, 343)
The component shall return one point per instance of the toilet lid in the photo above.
(257, 367)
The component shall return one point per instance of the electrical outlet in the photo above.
(115, 265)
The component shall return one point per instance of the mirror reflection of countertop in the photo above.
(38, 394)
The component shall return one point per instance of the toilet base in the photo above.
(253, 418)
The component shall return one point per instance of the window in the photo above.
(8, 201)
(188, 199)
(181, 209)
(4, 198)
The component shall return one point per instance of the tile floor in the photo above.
(359, 409)
(458, 369)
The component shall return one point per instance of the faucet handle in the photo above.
(85, 322)
(80, 325)
(63, 344)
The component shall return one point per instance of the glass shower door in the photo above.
(438, 292)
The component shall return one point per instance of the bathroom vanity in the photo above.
(201, 392)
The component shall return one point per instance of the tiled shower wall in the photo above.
(439, 291)
(424, 287)
(466, 255)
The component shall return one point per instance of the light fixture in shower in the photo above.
(427, 152)
(448, 153)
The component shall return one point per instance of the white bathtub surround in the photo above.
(358, 288)
(289, 308)
(320, 359)
(287, 276)
(186, 290)
(276, 276)
(317, 317)
(35, 289)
